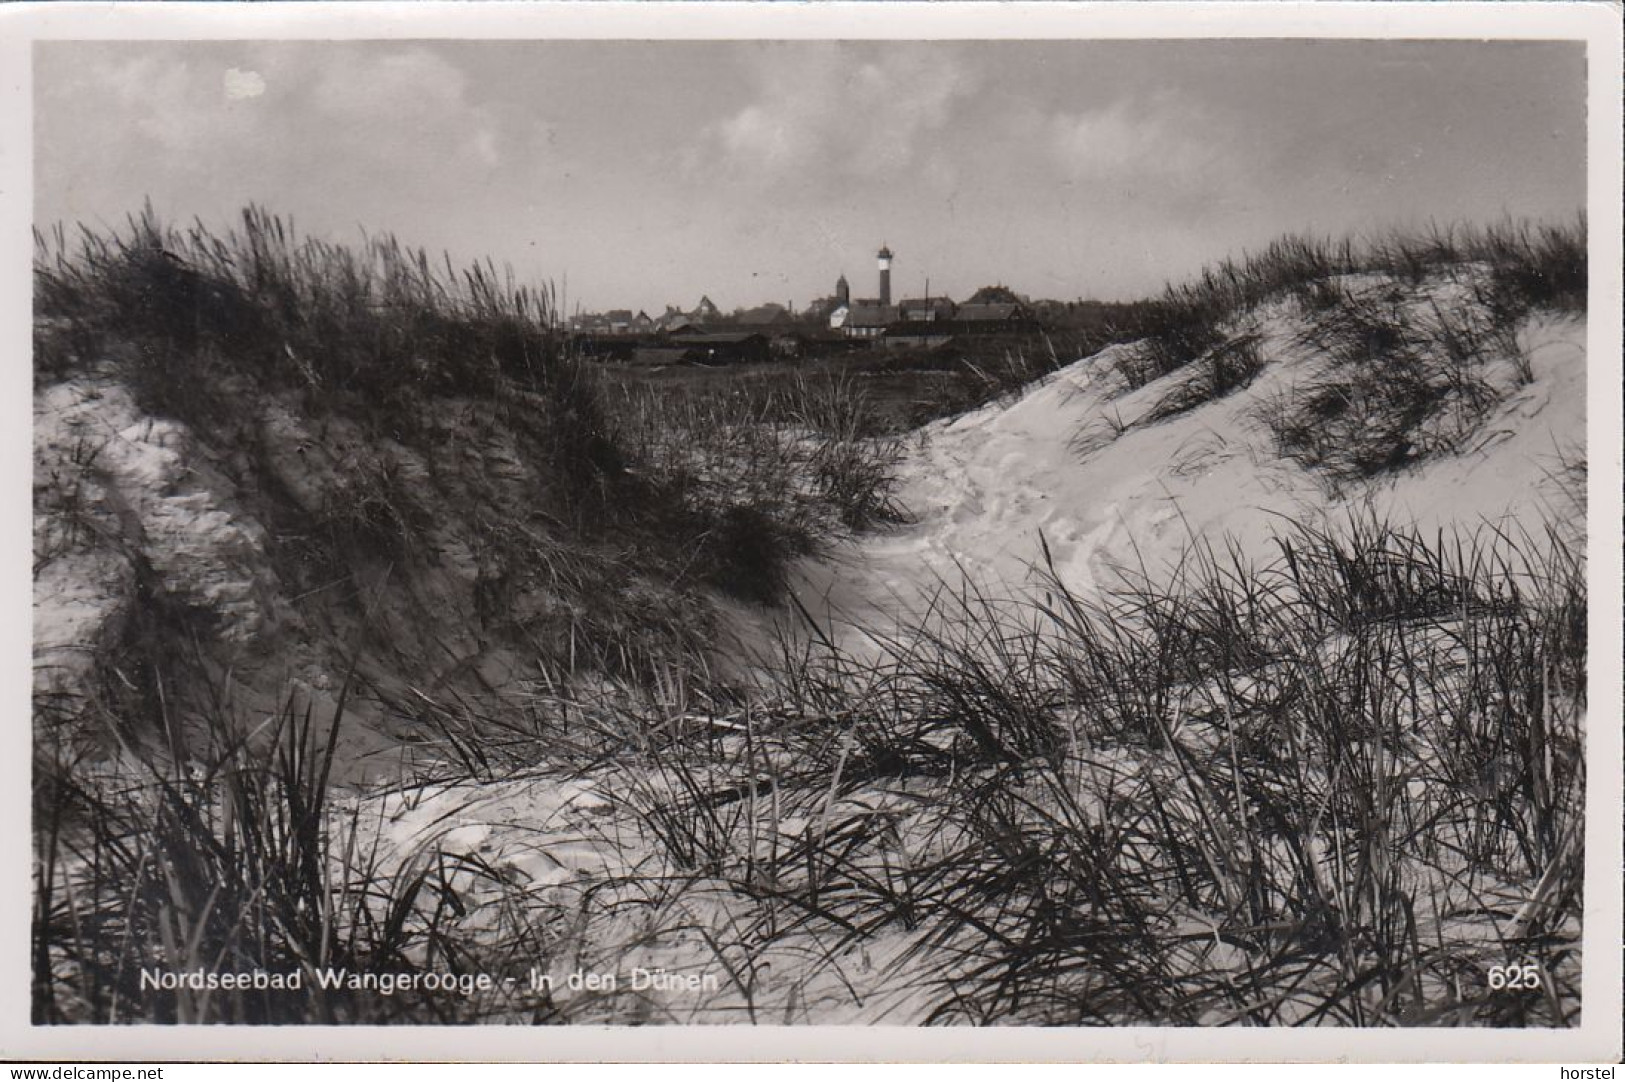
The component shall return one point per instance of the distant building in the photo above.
(868, 320)
(927, 310)
(819, 309)
(833, 309)
(968, 321)
(765, 316)
(999, 294)
(665, 356)
(994, 317)
(723, 347)
(617, 321)
(674, 318)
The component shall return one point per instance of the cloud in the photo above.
(414, 83)
(816, 107)
(392, 137)
(914, 98)
(253, 112)
(1163, 137)
(408, 102)
(114, 98)
(240, 84)
(768, 138)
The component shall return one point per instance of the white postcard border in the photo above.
(1596, 1040)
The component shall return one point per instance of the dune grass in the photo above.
(1528, 267)
(1334, 788)
(1415, 337)
(468, 414)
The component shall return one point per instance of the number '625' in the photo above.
(1515, 977)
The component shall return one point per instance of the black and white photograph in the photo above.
(708, 531)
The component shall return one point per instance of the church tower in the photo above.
(884, 257)
(843, 292)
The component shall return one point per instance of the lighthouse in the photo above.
(884, 258)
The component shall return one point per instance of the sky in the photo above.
(639, 174)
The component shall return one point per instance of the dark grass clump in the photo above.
(1221, 371)
(1530, 267)
(222, 851)
(1402, 380)
(1410, 368)
(1189, 319)
(376, 334)
(380, 340)
(771, 471)
(1323, 780)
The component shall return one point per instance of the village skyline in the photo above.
(814, 311)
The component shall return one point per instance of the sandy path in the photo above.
(1057, 466)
